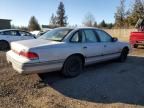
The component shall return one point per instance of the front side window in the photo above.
(90, 36)
(104, 37)
(76, 37)
(22, 33)
(56, 34)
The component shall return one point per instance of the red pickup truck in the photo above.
(137, 38)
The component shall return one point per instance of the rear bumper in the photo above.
(141, 42)
(37, 67)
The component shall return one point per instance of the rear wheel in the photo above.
(72, 67)
(123, 55)
(4, 45)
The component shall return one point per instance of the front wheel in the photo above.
(72, 66)
(123, 55)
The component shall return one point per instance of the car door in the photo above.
(26, 35)
(91, 46)
(110, 47)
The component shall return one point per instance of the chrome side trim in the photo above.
(103, 55)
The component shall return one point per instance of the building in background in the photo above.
(5, 24)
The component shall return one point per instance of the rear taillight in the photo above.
(29, 55)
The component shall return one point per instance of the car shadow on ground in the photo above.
(108, 82)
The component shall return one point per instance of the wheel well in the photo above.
(126, 48)
(5, 42)
(79, 55)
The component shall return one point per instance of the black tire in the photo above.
(73, 66)
(135, 46)
(4, 46)
(123, 55)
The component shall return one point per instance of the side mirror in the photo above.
(114, 39)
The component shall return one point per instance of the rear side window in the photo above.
(14, 33)
(90, 36)
(104, 37)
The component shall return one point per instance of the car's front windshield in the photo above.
(55, 34)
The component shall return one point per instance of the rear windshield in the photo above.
(56, 34)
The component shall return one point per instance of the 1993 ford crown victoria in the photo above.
(67, 50)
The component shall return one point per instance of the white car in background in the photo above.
(10, 35)
(43, 32)
(67, 50)
(36, 32)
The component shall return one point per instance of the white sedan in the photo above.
(10, 35)
(67, 50)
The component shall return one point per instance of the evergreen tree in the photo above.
(120, 15)
(137, 12)
(53, 20)
(33, 24)
(138, 8)
(95, 24)
(103, 24)
(109, 25)
(61, 17)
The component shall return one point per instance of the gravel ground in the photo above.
(105, 85)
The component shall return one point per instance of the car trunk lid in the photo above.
(26, 45)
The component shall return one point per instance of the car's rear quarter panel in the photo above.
(57, 52)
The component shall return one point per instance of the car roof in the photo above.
(12, 29)
(87, 28)
(77, 28)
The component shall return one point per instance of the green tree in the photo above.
(95, 24)
(53, 20)
(120, 14)
(33, 24)
(136, 12)
(19, 27)
(61, 17)
(110, 25)
(103, 24)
